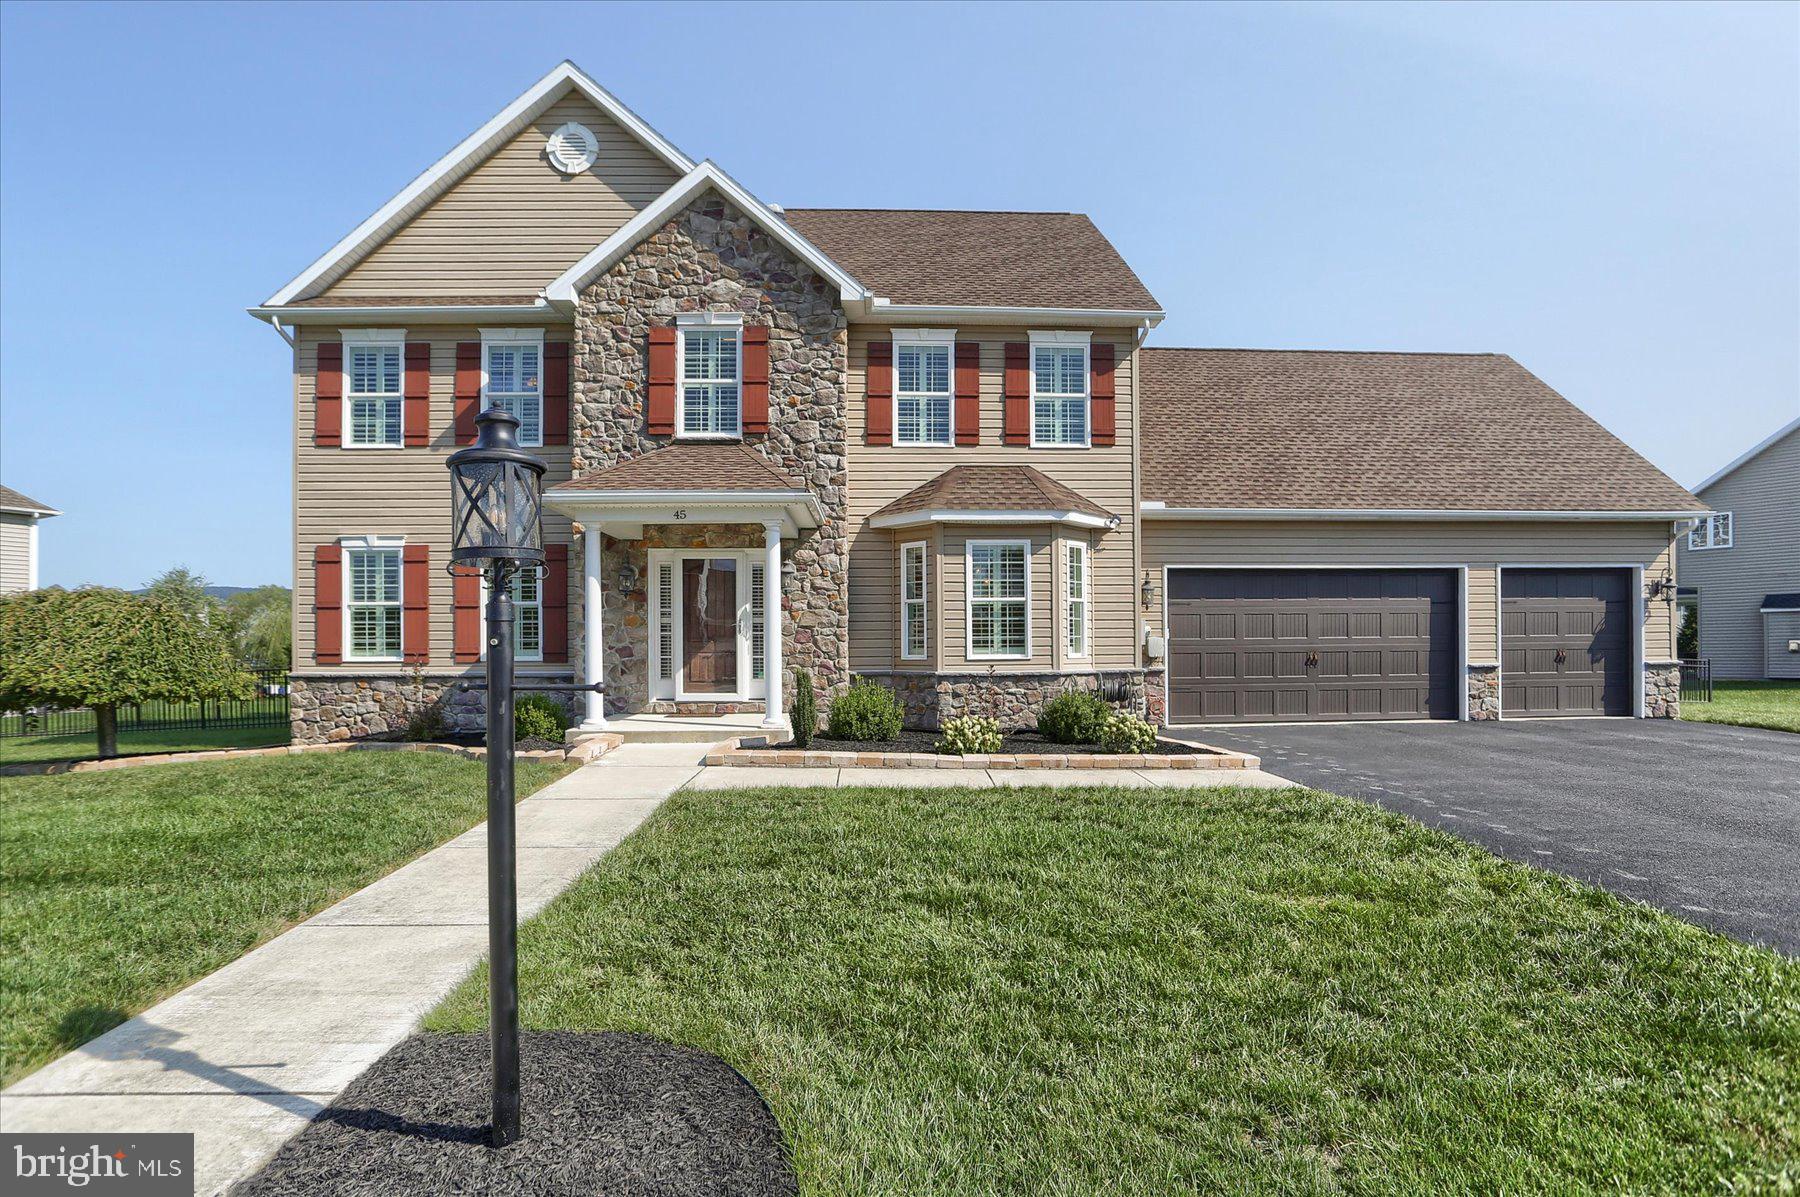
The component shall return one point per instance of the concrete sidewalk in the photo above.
(247, 1056)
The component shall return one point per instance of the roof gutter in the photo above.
(913, 519)
(1156, 510)
(429, 313)
(887, 311)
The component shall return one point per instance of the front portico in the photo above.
(682, 580)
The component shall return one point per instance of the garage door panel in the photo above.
(1566, 642)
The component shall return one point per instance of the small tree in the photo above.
(97, 648)
(261, 625)
(184, 590)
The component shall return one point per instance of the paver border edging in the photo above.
(740, 755)
(588, 748)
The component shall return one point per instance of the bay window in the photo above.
(1075, 605)
(913, 610)
(999, 604)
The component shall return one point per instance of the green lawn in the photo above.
(1749, 704)
(1131, 992)
(123, 886)
(14, 750)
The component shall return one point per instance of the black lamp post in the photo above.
(495, 493)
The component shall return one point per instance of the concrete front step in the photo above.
(692, 729)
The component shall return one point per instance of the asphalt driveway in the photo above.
(1700, 819)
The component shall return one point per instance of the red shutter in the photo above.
(328, 604)
(468, 390)
(415, 604)
(878, 381)
(328, 395)
(465, 610)
(1100, 392)
(968, 393)
(416, 417)
(756, 378)
(556, 602)
(1018, 393)
(556, 392)
(662, 381)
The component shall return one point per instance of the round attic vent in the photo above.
(573, 148)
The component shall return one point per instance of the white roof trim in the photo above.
(1155, 510)
(428, 313)
(913, 519)
(800, 506)
(888, 311)
(1754, 452)
(446, 171)
(564, 288)
(1776, 610)
(42, 513)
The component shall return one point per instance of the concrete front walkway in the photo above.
(247, 1056)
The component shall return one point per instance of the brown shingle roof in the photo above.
(992, 488)
(414, 301)
(692, 465)
(986, 259)
(1249, 428)
(12, 500)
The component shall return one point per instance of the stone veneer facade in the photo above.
(712, 258)
(325, 710)
(1662, 690)
(1484, 692)
(1015, 699)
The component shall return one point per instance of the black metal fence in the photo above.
(1696, 680)
(267, 708)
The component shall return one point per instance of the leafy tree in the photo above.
(261, 625)
(97, 648)
(185, 590)
(1687, 639)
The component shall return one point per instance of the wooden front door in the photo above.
(709, 624)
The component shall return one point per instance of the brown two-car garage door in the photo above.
(1565, 642)
(1277, 645)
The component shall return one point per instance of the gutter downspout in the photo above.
(275, 323)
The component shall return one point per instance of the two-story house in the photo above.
(1740, 565)
(928, 447)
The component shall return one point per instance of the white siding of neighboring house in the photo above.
(18, 552)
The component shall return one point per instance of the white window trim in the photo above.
(515, 336)
(367, 338)
(923, 601)
(518, 654)
(1710, 525)
(706, 320)
(1070, 548)
(351, 544)
(934, 337)
(1064, 339)
(969, 600)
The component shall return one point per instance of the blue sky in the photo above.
(1610, 194)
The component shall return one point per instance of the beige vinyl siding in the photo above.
(1482, 546)
(514, 223)
(880, 474)
(394, 492)
(15, 552)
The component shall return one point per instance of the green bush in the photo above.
(805, 711)
(1124, 732)
(539, 717)
(866, 711)
(427, 724)
(970, 733)
(1073, 718)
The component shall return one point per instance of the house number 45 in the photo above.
(680, 513)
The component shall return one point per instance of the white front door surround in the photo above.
(680, 582)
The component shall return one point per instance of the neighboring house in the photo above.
(1741, 564)
(926, 447)
(19, 519)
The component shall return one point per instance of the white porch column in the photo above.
(593, 654)
(772, 620)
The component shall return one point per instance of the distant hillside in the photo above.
(218, 592)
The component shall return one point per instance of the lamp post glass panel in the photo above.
(495, 492)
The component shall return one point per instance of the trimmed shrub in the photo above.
(1075, 717)
(1125, 732)
(804, 714)
(866, 711)
(970, 734)
(427, 724)
(539, 717)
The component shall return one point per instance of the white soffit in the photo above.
(469, 153)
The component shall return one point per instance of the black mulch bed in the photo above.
(1010, 742)
(605, 1113)
(530, 744)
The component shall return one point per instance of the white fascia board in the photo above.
(442, 174)
(801, 503)
(1773, 610)
(42, 513)
(540, 312)
(914, 519)
(566, 286)
(886, 311)
(1155, 510)
(1754, 451)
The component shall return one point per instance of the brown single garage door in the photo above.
(1565, 642)
(1278, 645)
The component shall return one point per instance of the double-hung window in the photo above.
(922, 394)
(372, 602)
(710, 365)
(1075, 606)
(1059, 389)
(372, 374)
(512, 378)
(999, 604)
(913, 611)
(1711, 531)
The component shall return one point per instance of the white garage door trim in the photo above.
(1462, 612)
(1637, 620)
